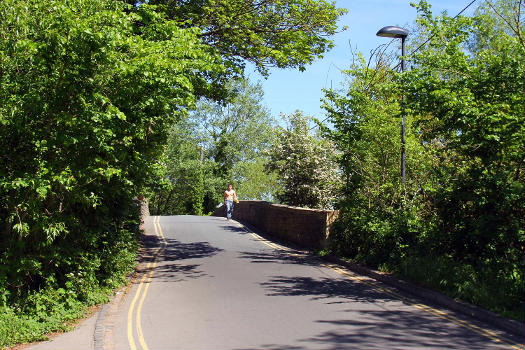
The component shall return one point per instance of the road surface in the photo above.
(207, 283)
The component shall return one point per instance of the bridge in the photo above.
(209, 283)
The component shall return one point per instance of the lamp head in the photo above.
(393, 32)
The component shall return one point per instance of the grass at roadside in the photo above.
(24, 327)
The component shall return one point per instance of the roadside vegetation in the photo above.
(218, 143)
(458, 224)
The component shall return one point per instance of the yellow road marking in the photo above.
(138, 325)
(130, 313)
(162, 235)
(262, 240)
(146, 281)
(140, 335)
(438, 313)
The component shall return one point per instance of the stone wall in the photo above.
(305, 227)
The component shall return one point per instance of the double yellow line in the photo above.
(377, 287)
(144, 282)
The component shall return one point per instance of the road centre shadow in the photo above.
(338, 290)
(235, 229)
(176, 250)
(280, 257)
(171, 258)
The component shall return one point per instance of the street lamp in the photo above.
(398, 32)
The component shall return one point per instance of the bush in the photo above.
(73, 285)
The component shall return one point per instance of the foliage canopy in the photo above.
(89, 93)
(267, 33)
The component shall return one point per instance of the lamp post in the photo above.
(398, 32)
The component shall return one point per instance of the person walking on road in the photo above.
(229, 197)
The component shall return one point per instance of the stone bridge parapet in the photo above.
(302, 226)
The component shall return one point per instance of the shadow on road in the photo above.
(388, 330)
(333, 290)
(375, 329)
(362, 326)
(280, 257)
(176, 250)
(234, 229)
(171, 260)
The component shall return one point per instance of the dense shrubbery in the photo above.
(74, 282)
(458, 226)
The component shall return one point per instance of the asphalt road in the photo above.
(207, 283)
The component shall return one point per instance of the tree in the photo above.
(237, 130)
(235, 136)
(375, 220)
(472, 108)
(285, 34)
(253, 182)
(305, 165)
(178, 187)
(88, 92)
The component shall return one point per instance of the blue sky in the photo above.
(288, 90)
